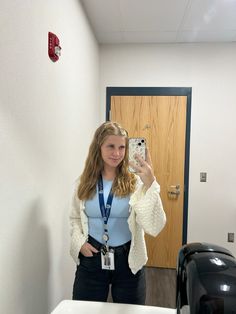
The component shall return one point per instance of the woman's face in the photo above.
(113, 151)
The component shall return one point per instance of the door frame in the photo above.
(162, 91)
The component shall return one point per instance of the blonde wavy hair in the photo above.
(124, 183)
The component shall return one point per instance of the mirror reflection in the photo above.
(49, 111)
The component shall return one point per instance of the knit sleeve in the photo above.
(148, 208)
(78, 237)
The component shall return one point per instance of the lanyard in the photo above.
(105, 210)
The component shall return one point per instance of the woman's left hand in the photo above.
(144, 171)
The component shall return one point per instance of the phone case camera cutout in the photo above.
(137, 145)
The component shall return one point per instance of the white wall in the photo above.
(210, 70)
(48, 112)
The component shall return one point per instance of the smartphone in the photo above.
(137, 145)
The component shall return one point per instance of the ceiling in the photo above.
(162, 21)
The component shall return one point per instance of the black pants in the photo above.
(92, 282)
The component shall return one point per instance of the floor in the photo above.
(161, 287)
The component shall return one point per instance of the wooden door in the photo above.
(162, 121)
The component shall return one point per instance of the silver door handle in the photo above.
(174, 190)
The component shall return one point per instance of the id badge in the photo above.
(108, 260)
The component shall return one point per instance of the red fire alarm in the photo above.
(54, 49)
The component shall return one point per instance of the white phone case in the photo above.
(137, 145)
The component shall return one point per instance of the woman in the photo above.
(112, 208)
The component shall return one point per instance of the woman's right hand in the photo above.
(87, 249)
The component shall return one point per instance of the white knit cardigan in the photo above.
(146, 216)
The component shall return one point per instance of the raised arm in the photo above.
(146, 203)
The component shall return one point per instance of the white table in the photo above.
(88, 307)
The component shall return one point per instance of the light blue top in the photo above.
(118, 228)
